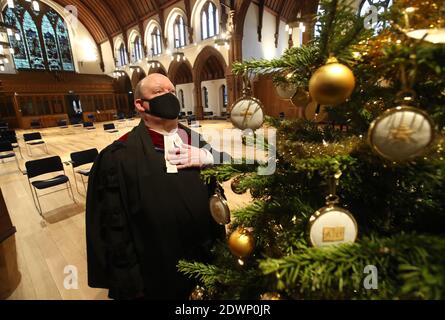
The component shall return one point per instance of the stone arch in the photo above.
(209, 65)
(137, 75)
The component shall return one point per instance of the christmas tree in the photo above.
(389, 179)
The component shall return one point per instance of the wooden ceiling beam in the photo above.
(277, 22)
(260, 19)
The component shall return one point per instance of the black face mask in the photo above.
(165, 106)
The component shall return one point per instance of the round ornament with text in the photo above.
(401, 133)
(332, 225)
(247, 113)
(219, 209)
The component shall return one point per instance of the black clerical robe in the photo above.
(140, 221)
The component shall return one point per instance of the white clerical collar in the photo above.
(165, 133)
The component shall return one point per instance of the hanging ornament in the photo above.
(218, 207)
(198, 293)
(286, 90)
(301, 98)
(247, 112)
(332, 83)
(270, 296)
(401, 133)
(241, 242)
(315, 112)
(332, 225)
(235, 185)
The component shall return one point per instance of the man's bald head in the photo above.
(153, 85)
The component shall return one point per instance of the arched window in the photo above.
(33, 42)
(205, 93)
(224, 96)
(64, 45)
(181, 98)
(209, 20)
(368, 7)
(41, 41)
(49, 39)
(156, 41)
(137, 49)
(17, 41)
(179, 32)
(122, 56)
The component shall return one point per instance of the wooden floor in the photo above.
(45, 247)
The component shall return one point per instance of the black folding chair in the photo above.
(7, 152)
(34, 139)
(76, 122)
(11, 137)
(81, 158)
(91, 117)
(88, 125)
(121, 116)
(39, 167)
(4, 126)
(36, 124)
(62, 123)
(110, 128)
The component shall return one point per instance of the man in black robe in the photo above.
(147, 206)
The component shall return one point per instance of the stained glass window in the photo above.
(33, 42)
(52, 51)
(16, 40)
(64, 45)
(33, 27)
(209, 20)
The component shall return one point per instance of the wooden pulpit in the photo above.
(9, 272)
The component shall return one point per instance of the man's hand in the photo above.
(188, 156)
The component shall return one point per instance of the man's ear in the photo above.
(139, 105)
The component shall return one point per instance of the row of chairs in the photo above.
(36, 168)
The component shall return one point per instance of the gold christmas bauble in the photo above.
(332, 83)
(241, 242)
(198, 293)
(270, 296)
(234, 185)
(301, 98)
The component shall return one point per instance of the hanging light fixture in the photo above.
(423, 29)
(222, 39)
(118, 73)
(178, 55)
(11, 4)
(152, 63)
